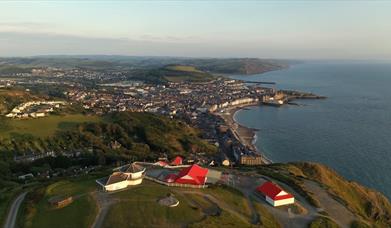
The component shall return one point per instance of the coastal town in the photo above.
(208, 105)
(195, 114)
(235, 169)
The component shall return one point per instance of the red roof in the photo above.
(177, 160)
(272, 191)
(192, 175)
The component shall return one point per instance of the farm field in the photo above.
(43, 127)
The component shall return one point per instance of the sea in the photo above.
(349, 131)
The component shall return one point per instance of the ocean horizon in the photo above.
(349, 131)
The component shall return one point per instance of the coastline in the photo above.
(245, 135)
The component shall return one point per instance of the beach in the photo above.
(244, 134)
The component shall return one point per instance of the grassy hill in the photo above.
(141, 135)
(211, 207)
(179, 73)
(52, 123)
(173, 73)
(368, 205)
(214, 65)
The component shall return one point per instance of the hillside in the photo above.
(140, 136)
(369, 206)
(238, 65)
(216, 206)
(213, 65)
(173, 73)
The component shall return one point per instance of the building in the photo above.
(60, 202)
(193, 175)
(250, 159)
(127, 175)
(178, 160)
(275, 195)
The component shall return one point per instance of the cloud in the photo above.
(45, 43)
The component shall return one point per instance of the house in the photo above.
(275, 195)
(194, 174)
(178, 160)
(127, 175)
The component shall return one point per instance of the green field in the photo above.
(139, 208)
(80, 213)
(43, 127)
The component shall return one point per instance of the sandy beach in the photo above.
(244, 134)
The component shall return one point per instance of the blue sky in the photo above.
(268, 29)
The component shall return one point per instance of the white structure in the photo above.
(128, 175)
(274, 195)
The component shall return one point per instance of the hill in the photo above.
(216, 206)
(172, 73)
(369, 206)
(212, 65)
(139, 136)
(237, 65)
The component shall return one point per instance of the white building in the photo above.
(128, 175)
(274, 195)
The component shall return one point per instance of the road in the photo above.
(13, 212)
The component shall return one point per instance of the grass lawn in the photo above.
(323, 222)
(224, 220)
(44, 127)
(139, 208)
(232, 197)
(267, 219)
(80, 213)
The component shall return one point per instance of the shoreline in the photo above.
(244, 135)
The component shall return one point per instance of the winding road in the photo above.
(13, 212)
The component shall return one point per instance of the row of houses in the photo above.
(34, 109)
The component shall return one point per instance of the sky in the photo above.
(266, 29)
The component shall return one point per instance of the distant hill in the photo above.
(172, 73)
(212, 65)
(237, 65)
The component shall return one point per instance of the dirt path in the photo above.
(104, 202)
(13, 212)
(338, 212)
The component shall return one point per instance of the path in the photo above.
(13, 212)
(104, 201)
(247, 184)
(337, 211)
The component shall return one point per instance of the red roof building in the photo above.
(275, 195)
(194, 174)
(178, 160)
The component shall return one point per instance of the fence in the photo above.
(175, 184)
